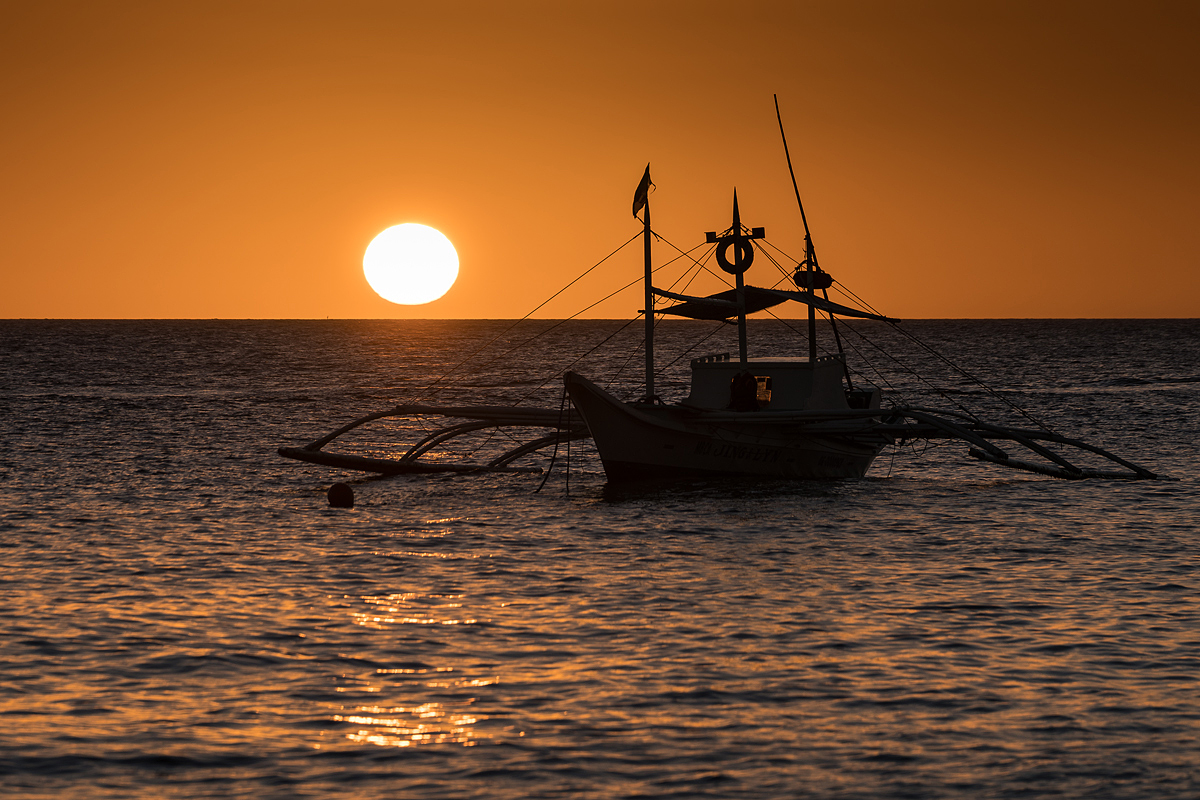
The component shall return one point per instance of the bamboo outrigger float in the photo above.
(783, 417)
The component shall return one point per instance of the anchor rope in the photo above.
(554, 456)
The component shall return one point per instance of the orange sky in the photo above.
(956, 159)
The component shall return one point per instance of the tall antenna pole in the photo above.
(810, 253)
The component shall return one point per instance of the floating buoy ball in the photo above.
(341, 496)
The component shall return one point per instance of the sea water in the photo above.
(184, 615)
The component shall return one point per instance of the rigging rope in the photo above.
(846, 291)
(711, 333)
(580, 358)
(977, 381)
(560, 322)
(790, 327)
(632, 283)
(500, 335)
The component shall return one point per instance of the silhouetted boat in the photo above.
(778, 417)
(783, 417)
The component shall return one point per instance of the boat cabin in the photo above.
(774, 384)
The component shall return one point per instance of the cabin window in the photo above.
(749, 392)
(764, 390)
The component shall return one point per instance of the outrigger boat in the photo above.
(791, 416)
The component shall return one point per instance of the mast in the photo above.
(649, 304)
(810, 254)
(811, 266)
(641, 200)
(741, 287)
(810, 258)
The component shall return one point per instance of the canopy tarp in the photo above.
(723, 305)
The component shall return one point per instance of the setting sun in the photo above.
(410, 264)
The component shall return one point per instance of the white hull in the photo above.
(644, 441)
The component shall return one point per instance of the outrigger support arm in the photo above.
(978, 433)
(568, 425)
(538, 444)
(1028, 437)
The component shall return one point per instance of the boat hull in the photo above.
(653, 442)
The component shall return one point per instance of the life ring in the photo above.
(743, 255)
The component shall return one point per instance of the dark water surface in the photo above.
(184, 616)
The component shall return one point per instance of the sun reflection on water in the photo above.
(428, 723)
(412, 718)
(397, 604)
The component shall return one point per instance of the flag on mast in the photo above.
(642, 193)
